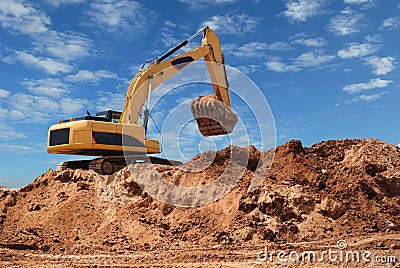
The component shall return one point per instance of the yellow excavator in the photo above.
(116, 136)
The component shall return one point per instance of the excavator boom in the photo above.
(213, 113)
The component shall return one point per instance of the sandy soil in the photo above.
(335, 196)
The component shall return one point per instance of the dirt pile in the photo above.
(332, 190)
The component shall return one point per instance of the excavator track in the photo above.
(213, 117)
(83, 164)
(108, 165)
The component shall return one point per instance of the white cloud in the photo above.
(356, 50)
(301, 10)
(250, 68)
(169, 39)
(49, 65)
(279, 46)
(381, 65)
(205, 3)
(7, 56)
(120, 16)
(22, 17)
(364, 4)
(8, 133)
(391, 23)
(57, 3)
(252, 49)
(52, 87)
(278, 66)
(65, 46)
(27, 108)
(303, 39)
(15, 148)
(4, 93)
(234, 24)
(30, 103)
(15, 114)
(373, 83)
(170, 24)
(44, 108)
(309, 59)
(70, 106)
(110, 101)
(357, 2)
(346, 23)
(352, 2)
(89, 76)
(368, 98)
(374, 38)
(313, 59)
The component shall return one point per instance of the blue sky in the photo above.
(329, 69)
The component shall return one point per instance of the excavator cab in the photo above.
(113, 116)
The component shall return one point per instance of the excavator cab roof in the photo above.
(105, 116)
(113, 116)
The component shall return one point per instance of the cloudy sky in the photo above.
(328, 69)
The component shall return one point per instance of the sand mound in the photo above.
(345, 189)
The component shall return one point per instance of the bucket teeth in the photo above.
(213, 117)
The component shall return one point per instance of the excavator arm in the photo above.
(204, 109)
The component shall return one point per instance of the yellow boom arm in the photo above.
(160, 71)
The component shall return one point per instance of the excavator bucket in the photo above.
(213, 117)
